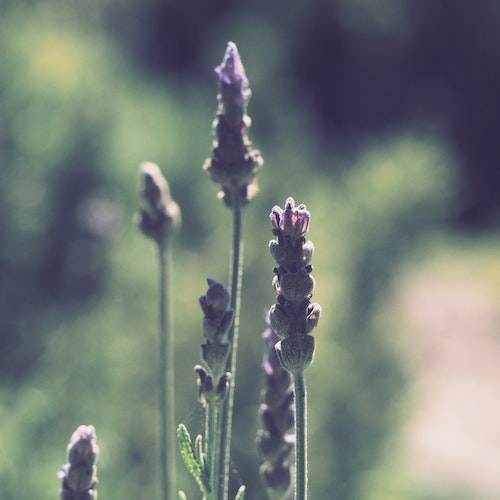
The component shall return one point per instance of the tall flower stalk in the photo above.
(233, 165)
(159, 216)
(293, 317)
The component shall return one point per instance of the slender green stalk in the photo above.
(213, 446)
(300, 436)
(236, 275)
(166, 375)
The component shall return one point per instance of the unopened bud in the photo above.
(78, 476)
(296, 286)
(296, 352)
(312, 318)
(280, 323)
(222, 387)
(159, 214)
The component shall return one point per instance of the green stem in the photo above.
(300, 394)
(212, 442)
(226, 420)
(167, 376)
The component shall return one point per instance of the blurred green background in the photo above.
(381, 117)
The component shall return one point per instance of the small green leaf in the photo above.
(198, 450)
(189, 458)
(182, 495)
(241, 493)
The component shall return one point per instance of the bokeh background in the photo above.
(382, 117)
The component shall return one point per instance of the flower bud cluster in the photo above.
(159, 214)
(293, 316)
(217, 319)
(276, 439)
(78, 475)
(233, 164)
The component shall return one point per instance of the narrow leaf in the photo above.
(188, 455)
(198, 450)
(241, 493)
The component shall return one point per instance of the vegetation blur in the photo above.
(379, 117)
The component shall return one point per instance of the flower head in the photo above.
(79, 473)
(217, 318)
(159, 213)
(292, 222)
(216, 300)
(293, 316)
(231, 70)
(275, 440)
(233, 163)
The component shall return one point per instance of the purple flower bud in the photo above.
(221, 389)
(205, 385)
(295, 286)
(215, 302)
(307, 252)
(296, 352)
(159, 214)
(277, 478)
(292, 221)
(278, 252)
(79, 474)
(217, 318)
(233, 163)
(231, 71)
(279, 320)
(312, 318)
(273, 447)
(271, 363)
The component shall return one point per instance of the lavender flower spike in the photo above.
(217, 319)
(78, 475)
(276, 438)
(159, 214)
(233, 164)
(293, 316)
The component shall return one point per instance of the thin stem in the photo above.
(208, 447)
(300, 394)
(213, 438)
(236, 276)
(166, 375)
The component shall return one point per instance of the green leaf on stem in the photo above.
(241, 493)
(190, 459)
(200, 455)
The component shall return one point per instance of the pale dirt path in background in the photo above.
(453, 345)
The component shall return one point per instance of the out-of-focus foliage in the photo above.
(380, 211)
(361, 67)
(78, 281)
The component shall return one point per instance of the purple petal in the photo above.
(231, 71)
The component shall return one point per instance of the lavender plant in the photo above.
(79, 474)
(202, 460)
(159, 216)
(234, 165)
(294, 316)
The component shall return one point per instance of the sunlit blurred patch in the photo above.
(59, 61)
